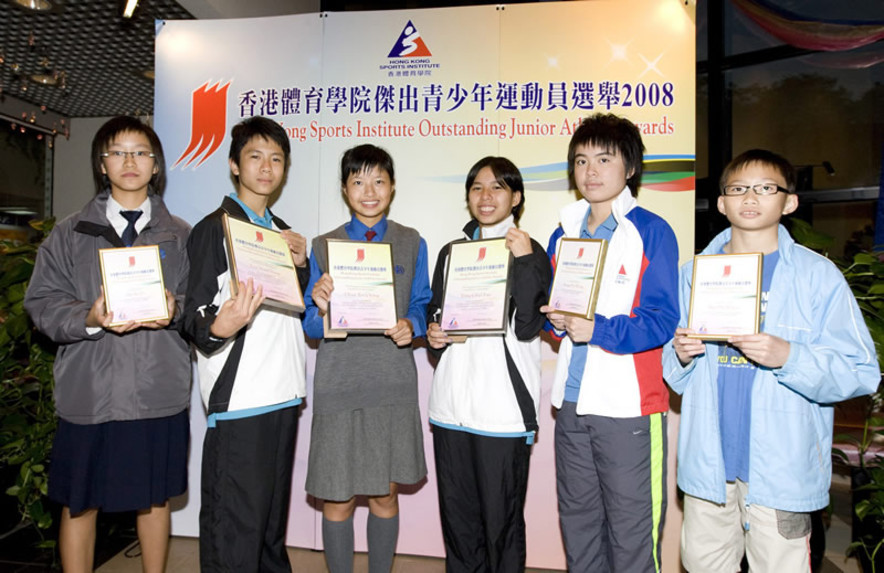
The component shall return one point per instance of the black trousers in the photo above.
(246, 484)
(482, 483)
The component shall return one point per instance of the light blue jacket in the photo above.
(831, 358)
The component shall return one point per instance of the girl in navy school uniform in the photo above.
(121, 392)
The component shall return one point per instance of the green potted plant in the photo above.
(864, 272)
(27, 414)
(865, 275)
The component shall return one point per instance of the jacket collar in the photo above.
(785, 243)
(497, 231)
(94, 218)
(571, 216)
(234, 209)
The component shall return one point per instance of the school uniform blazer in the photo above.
(636, 314)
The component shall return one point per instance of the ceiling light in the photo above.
(44, 79)
(130, 8)
(38, 5)
(18, 210)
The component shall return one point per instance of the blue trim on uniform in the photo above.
(420, 293)
(529, 436)
(266, 221)
(249, 412)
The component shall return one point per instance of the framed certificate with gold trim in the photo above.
(364, 295)
(476, 296)
(579, 265)
(261, 254)
(725, 295)
(132, 278)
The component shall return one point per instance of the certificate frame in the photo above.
(579, 267)
(262, 254)
(477, 281)
(132, 278)
(364, 297)
(725, 295)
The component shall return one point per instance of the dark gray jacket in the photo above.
(105, 376)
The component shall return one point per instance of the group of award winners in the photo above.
(756, 418)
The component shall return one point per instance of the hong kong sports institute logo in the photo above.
(208, 123)
(410, 44)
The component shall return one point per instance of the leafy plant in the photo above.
(26, 405)
(870, 512)
(864, 273)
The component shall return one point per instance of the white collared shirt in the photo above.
(119, 223)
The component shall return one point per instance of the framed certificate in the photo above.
(477, 292)
(725, 295)
(579, 265)
(133, 284)
(364, 295)
(261, 254)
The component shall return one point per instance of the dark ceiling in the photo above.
(96, 56)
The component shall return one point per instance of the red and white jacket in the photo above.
(636, 314)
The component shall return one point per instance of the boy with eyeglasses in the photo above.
(754, 452)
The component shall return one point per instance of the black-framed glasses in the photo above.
(759, 189)
(123, 155)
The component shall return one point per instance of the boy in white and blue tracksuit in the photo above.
(610, 436)
(250, 360)
(754, 452)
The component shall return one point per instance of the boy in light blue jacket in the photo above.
(754, 451)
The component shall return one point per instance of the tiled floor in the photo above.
(184, 554)
(184, 557)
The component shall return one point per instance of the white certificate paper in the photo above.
(261, 254)
(725, 295)
(133, 284)
(579, 265)
(476, 288)
(364, 295)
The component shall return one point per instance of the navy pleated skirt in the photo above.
(119, 466)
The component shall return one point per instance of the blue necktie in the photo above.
(130, 233)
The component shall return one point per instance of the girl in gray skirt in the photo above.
(366, 435)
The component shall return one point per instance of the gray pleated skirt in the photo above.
(359, 452)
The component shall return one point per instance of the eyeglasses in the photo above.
(121, 156)
(759, 189)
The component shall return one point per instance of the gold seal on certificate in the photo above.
(261, 254)
(364, 295)
(579, 265)
(476, 294)
(133, 284)
(725, 295)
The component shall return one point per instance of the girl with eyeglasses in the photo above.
(121, 390)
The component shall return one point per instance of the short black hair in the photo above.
(365, 157)
(506, 173)
(613, 133)
(108, 132)
(764, 157)
(258, 126)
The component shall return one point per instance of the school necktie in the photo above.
(369, 235)
(129, 233)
